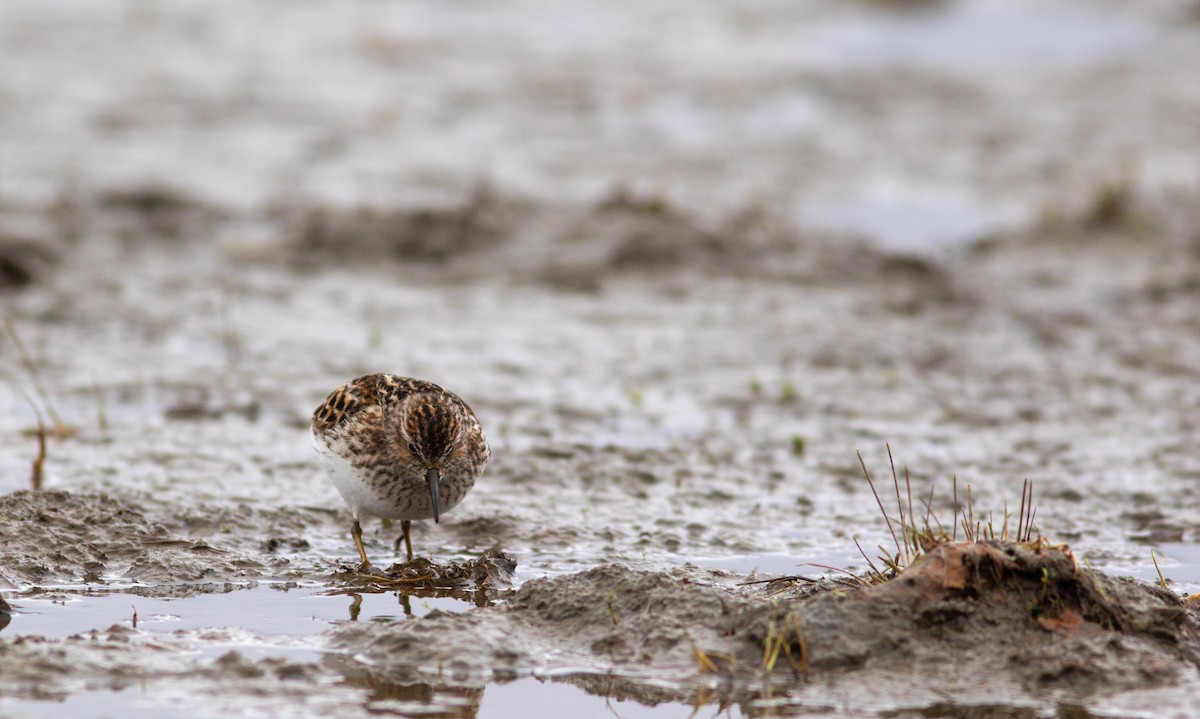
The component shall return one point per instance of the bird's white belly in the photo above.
(363, 502)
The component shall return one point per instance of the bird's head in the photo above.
(430, 428)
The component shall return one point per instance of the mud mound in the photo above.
(30, 246)
(601, 619)
(1023, 615)
(628, 616)
(432, 235)
(650, 234)
(1024, 612)
(153, 212)
(59, 537)
(23, 262)
(1026, 608)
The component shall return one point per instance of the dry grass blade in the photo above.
(39, 461)
(904, 521)
(929, 511)
(101, 415)
(777, 641)
(878, 575)
(954, 531)
(706, 664)
(895, 564)
(970, 529)
(1025, 520)
(788, 578)
(847, 572)
(36, 473)
(862, 463)
(908, 525)
(800, 663)
(1021, 514)
(912, 521)
(769, 648)
(1162, 581)
(60, 428)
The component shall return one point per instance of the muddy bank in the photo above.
(573, 246)
(59, 538)
(1024, 616)
(966, 624)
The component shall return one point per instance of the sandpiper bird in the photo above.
(398, 448)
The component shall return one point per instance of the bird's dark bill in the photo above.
(432, 477)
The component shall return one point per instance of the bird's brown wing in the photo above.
(346, 401)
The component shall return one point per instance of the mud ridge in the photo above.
(58, 537)
(580, 248)
(1024, 615)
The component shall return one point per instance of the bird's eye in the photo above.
(412, 447)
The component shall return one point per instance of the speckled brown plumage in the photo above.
(381, 436)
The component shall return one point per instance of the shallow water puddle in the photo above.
(916, 226)
(771, 565)
(1182, 565)
(1178, 562)
(534, 699)
(260, 609)
(982, 34)
(93, 703)
(529, 698)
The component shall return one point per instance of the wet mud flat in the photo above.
(965, 629)
(683, 260)
(187, 545)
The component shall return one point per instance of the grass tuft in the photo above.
(780, 639)
(914, 538)
(1162, 581)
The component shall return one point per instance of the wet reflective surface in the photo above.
(684, 259)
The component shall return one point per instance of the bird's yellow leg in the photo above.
(356, 532)
(406, 527)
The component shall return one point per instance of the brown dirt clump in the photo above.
(648, 233)
(434, 235)
(30, 247)
(22, 262)
(153, 212)
(1027, 609)
(481, 578)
